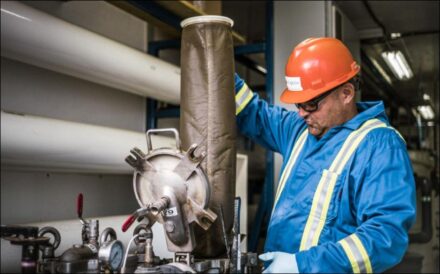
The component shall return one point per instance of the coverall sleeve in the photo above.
(383, 203)
(270, 126)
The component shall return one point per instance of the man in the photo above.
(346, 197)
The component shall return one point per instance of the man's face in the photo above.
(333, 110)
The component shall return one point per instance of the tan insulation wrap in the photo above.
(207, 117)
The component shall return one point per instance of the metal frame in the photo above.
(152, 113)
(157, 11)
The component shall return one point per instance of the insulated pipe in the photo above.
(36, 38)
(207, 117)
(36, 143)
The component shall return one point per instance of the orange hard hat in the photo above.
(315, 66)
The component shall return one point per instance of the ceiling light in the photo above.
(381, 71)
(426, 112)
(398, 64)
(261, 69)
(395, 35)
(17, 15)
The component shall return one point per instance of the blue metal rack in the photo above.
(153, 113)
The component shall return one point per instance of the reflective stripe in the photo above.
(356, 253)
(242, 98)
(322, 197)
(398, 133)
(351, 144)
(351, 258)
(293, 156)
(319, 209)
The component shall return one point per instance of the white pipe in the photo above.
(39, 39)
(36, 143)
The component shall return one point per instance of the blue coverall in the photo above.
(373, 198)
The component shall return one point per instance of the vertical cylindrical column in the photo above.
(207, 116)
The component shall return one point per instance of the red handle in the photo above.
(79, 205)
(128, 223)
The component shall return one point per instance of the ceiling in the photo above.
(376, 21)
(418, 25)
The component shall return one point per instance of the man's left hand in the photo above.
(282, 262)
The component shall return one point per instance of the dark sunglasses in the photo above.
(313, 105)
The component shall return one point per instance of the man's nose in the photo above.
(303, 113)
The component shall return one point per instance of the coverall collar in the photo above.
(367, 111)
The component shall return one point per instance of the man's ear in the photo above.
(348, 93)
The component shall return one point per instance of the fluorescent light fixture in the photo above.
(426, 112)
(16, 15)
(262, 69)
(381, 71)
(395, 35)
(398, 64)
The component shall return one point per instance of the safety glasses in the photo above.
(313, 105)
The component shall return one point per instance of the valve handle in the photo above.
(52, 231)
(130, 220)
(79, 205)
(162, 130)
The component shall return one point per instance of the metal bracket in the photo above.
(189, 163)
(203, 217)
(138, 161)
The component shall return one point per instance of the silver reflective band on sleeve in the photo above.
(324, 191)
(242, 98)
(355, 251)
(293, 156)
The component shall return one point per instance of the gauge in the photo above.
(111, 254)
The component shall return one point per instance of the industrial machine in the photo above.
(97, 253)
(173, 189)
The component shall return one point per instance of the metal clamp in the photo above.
(162, 130)
(144, 231)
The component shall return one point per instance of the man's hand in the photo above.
(282, 262)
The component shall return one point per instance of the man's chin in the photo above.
(314, 131)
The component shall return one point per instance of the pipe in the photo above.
(425, 235)
(37, 38)
(207, 117)
(36, 143)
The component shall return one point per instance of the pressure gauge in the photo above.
(111, 254)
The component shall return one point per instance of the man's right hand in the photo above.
(281, 262)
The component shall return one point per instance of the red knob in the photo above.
(79, 205)
(128, 223)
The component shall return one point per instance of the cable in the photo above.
(126, 252)
(378, 22)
